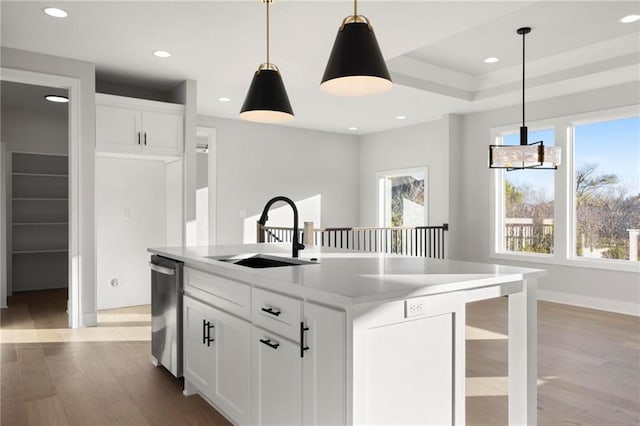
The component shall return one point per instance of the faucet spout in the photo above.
(296, 244)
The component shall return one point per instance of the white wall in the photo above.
(185, 93)
(130, 217)
(202, 196)
(425, 144)
(28, 130)
(3, 226)
(256, 162)
(174, 203)
(85, 73)
(470, 205)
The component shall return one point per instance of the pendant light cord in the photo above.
(355, 8)
(523, 61)
(268, 1)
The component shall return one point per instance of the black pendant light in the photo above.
(525, 155)
(356, 66)
(267, 100)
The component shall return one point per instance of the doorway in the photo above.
(56, 171)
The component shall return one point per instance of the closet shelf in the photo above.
(38, 199)
(40, 174)
(38, 220)
(40, 251)
(39, 223)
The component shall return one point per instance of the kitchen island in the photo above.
(346, 337)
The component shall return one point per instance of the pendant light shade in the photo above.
(525, 155)
(267, 100)
(356, 66)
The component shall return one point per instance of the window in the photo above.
(526, 220)
(586, 213)
(402, 198)
(606, 190)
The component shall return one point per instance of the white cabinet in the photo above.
(198, 354)
(403, 359)
(277, 379)
(323, 366)
(135, 126)
(300, 381)
(217, 357)
(284, 365)
(231, 391)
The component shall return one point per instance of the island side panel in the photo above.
(408, 361)
(523, 357)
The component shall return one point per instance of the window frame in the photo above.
(497, 197)
(564, 195)
(381, 201)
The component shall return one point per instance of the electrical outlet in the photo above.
(414, 307)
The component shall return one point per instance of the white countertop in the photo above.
(349, 277)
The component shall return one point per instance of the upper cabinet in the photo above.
(135, 126)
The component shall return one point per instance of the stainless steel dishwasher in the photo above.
(166, 313)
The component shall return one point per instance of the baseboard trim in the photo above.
(590, 302)
(89, 320)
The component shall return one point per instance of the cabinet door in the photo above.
(198, 349)
(277, 386)
(161, 133)
(232, 366)
(117, 130)
(405, 356)
(323, 366)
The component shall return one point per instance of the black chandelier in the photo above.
(526, 155)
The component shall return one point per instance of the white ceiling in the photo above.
(434, 50)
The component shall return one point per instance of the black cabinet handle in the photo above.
(209, 338)
(274, 312)
(206, 332)
(145, 138)
(302, 346)
(138, 138)
(269, 343)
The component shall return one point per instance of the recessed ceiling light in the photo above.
(491, 60)
(161, 54)
(223, 99)
(353, 128)
(629, 19)
(401, 117)
(57, 98)
(55, 12)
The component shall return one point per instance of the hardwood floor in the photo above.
(93, 376)
(588, 365)
(589, 368)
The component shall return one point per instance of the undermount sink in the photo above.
(261, 261)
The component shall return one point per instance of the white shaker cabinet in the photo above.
(216, 357)
(277, 380)
(323, 366)
(135, 126)
(301, 381)
(299, 361)
(198, 354)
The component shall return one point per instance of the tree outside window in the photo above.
(528, 209)
(606, 188)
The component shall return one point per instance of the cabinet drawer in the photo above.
(228, 295)
(278, 313)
